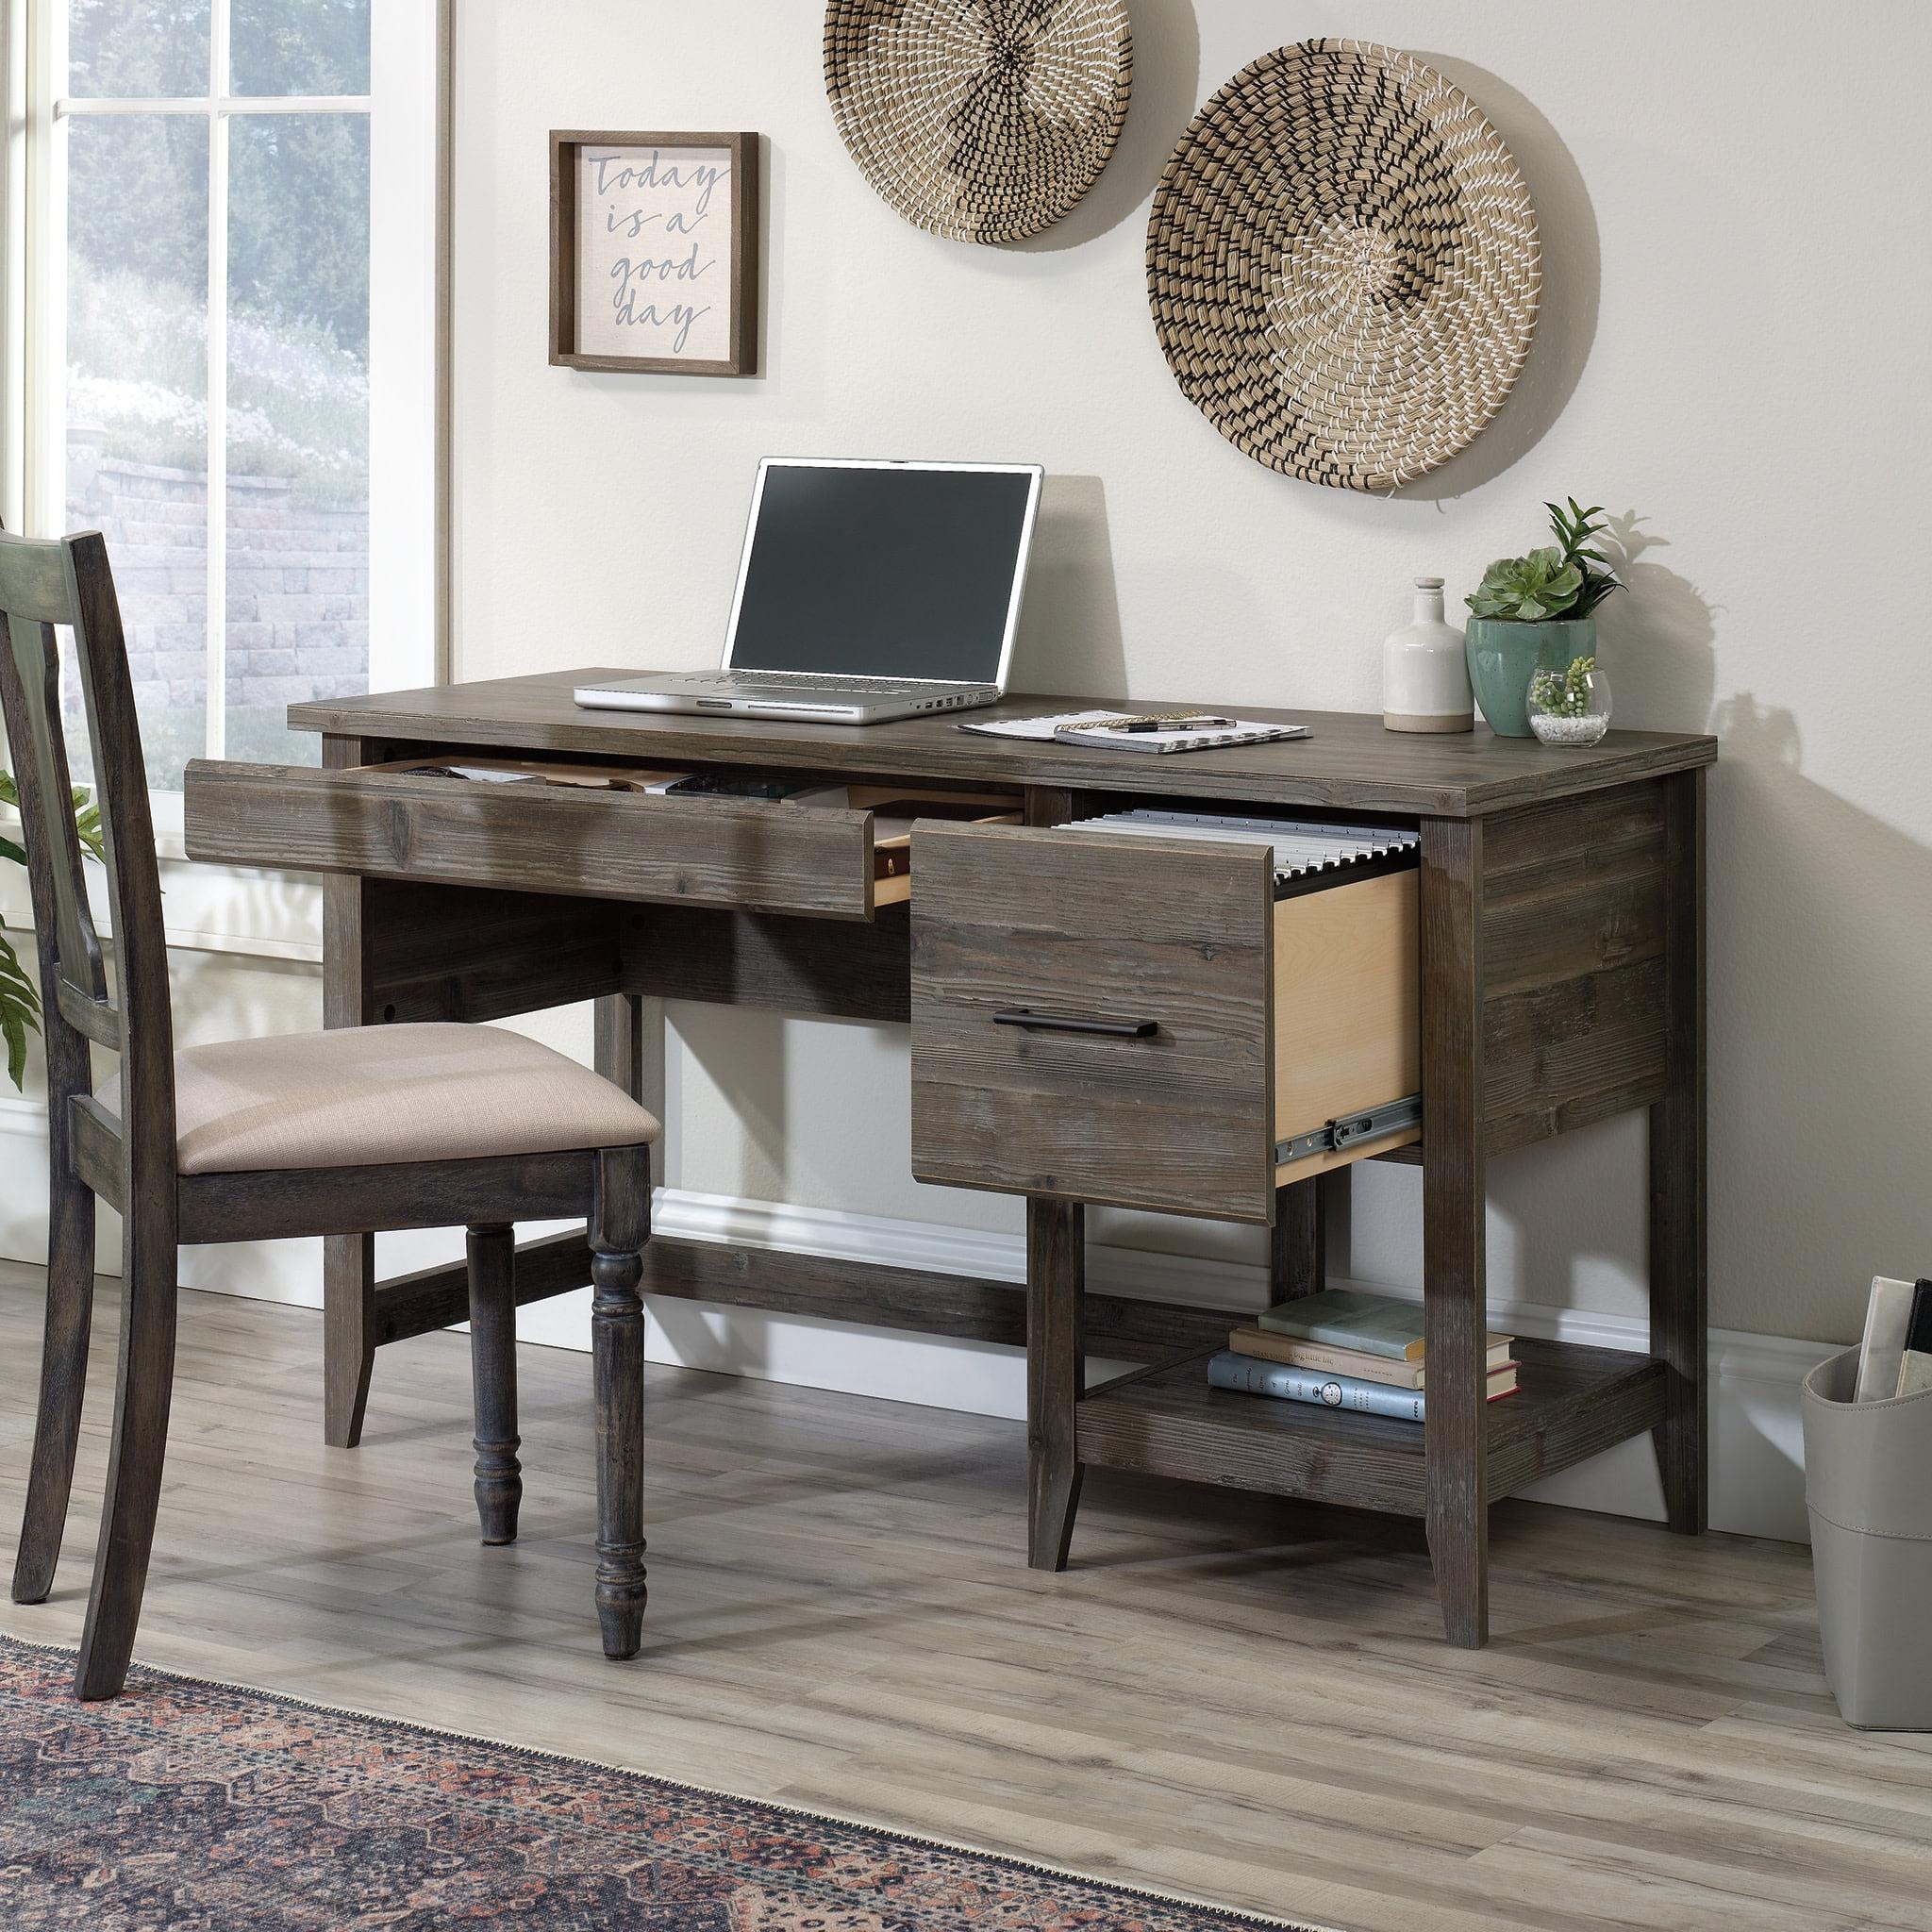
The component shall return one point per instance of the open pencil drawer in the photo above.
(1145, 1021)
(387, 821)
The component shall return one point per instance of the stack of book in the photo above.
(1344, 1349)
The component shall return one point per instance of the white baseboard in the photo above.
(1758, 1483)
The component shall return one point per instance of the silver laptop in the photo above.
(867, 590)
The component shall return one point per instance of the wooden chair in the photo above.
(346, 1132)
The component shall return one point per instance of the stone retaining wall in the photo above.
(298, 582)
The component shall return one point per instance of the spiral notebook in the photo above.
(1089, 727)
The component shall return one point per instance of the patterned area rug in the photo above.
(194, 1805)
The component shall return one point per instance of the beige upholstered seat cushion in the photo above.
(368, 1095)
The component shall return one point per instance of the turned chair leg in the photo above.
(142, 1395)
(493, 1370)
(620, 1226)
(63, 1376)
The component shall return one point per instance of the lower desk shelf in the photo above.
(1571, 1403)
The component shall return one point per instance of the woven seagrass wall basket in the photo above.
(980, 119)
(1343, 265)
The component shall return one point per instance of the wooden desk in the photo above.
(1561, 942)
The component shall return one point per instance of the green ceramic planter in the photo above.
(1505, 654)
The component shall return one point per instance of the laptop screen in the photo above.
(883, 570)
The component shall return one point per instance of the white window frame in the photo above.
(407, 103)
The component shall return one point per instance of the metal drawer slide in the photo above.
(1352, 1128)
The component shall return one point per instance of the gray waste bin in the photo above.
(1867, 1482)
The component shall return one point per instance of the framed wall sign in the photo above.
(653, 252)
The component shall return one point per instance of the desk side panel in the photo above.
(1574, 925)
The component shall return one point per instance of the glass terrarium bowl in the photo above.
(1570, 708)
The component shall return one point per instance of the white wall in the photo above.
(1731, 357)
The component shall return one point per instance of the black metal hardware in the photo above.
(1334, 1136)
(1076, 1023)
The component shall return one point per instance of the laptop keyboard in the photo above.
(817, 680)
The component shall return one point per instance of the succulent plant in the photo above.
(1574, 532)
(1567, 579)
(1564, 693)
(1524, 590)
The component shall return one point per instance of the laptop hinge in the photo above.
(1351, 1130)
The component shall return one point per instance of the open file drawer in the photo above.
(387, 821)
(1144, 1022)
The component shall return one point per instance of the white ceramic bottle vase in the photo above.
(1426, 670)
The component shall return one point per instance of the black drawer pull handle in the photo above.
(1076, 1023)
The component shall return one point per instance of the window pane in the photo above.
(137, 47)
(298, 424)
(137, 402)
(299, 47)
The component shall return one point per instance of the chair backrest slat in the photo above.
(68, 581)
(94, 1019)
(38, 583)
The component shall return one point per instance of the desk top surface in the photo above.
(1348, 761)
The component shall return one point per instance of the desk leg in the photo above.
(1678, 1184)
(1056, 1374)
(1297, 1262)
(618, 1053)
(628, 1047)
(348, 1261)
(1456, 1324)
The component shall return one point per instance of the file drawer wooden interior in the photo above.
(1144, 1022)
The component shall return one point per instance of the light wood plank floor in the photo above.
(1224, 1697)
